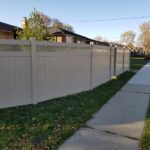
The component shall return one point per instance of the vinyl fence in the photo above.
(33, 71)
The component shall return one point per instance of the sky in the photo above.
(72, 11)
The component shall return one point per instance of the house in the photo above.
(7, 31)
(62, 35)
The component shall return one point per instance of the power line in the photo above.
(111, 19)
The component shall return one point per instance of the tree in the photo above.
(127, 38)
(58, 24)
(144, 37)
(36, 26)
(68, 27)
(98, 38)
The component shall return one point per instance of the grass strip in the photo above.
(145, 141)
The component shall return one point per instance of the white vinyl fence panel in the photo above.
(32, 72)
(127, 60)
(15, 73)
(119, 60)
(100, 65)
(62, 70)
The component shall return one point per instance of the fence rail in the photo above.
(33, 71)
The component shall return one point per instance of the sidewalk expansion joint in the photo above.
(129, 137)
(112, 133)
(134, 92)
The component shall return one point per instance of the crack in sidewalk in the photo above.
(113, 133)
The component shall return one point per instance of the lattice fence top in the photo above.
(50, 48)
(15, 48)
(71, 45)
(46, 48)
(61, 49)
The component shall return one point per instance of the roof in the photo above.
(57, 31)
(8, 27)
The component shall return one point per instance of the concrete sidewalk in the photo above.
(119, 123)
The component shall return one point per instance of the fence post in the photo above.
(91, 68)
(33, 69)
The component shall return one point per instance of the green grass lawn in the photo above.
(137, 62)
(145, 142)
(48, 124)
